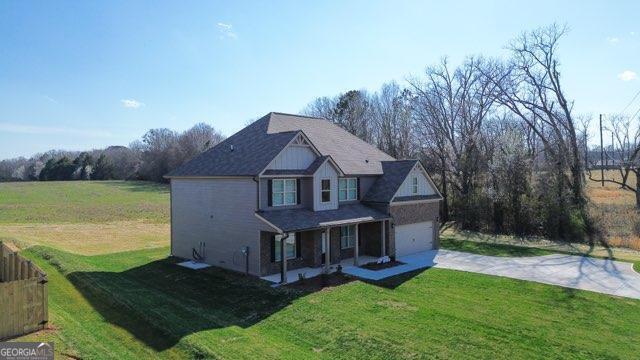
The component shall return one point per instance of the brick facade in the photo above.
(418, 212)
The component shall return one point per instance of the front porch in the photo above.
(293, 275)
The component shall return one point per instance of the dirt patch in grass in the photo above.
(375, 266)
(89, 239)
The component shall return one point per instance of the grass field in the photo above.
(85, 217)
(140, 305)
(614, 209)
(113, 294)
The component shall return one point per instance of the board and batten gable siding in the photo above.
(325, 171)
(424, 187)
(293, 157)
(220, 213)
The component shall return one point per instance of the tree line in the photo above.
(499, 135)
(157, 153)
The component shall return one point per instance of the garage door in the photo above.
(413, 238)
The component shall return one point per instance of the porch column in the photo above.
(384, 238)
(327, 249)
(283, 258)
(355, 249)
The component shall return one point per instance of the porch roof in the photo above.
(305, 219)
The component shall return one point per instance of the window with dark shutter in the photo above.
(358, 189)
(298, 245)
(298, 191)
(270, 192)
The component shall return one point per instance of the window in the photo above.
(414, 185)
(289, 247)
(325, 190)
(283, 192)
(347, 236)
(348, 189)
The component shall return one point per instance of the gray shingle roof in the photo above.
(303, 219)
(387, 185)
(416, 197)
(257, 144)
(253, 148)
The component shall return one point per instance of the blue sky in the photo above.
(87, 74)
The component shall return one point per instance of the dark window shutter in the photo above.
(298, 245)
(358, 191)
(273, 247)
(270, 192)
(298, 190)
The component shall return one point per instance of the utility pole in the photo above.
(601, 153)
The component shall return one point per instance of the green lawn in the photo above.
(138, 305)
(490, 249)
(83, 202)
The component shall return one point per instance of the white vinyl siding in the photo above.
(423, 186)
(326, 171)
(347, 236)
(289, 247)
(283, 192)
(293, 157)
(348, 189)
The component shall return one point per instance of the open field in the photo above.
(137, 304)
(57, 202)
(614, 208)
(85, 217)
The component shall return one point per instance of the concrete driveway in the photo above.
(578, 272)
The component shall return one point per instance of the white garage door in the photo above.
(413, 238)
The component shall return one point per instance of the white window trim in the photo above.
(284, 192)
(352, 236)
(355, 188)
(414, 185)
(292, 236)
(322, 191)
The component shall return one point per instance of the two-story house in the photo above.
(291, 191)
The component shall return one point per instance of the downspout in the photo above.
(257, 180)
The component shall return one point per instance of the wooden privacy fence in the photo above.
(23, 295)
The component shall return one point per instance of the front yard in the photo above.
(137, 304)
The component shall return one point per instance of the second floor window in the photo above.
(325, 190)
(284, 192)
(348, 189)
(414, 185)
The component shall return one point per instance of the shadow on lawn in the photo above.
(160, 303)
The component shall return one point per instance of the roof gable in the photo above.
(353, 155)
(395, 172)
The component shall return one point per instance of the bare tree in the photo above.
(529, 85)
(391, 112)
(449, 111)
(625, 153)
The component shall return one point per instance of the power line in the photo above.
(636, 113)
(630, 102)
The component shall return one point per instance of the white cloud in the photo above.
(131, 103)
(50, 130)
(50, 99)
(627, 75)
(226, 31)
(613, 40)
